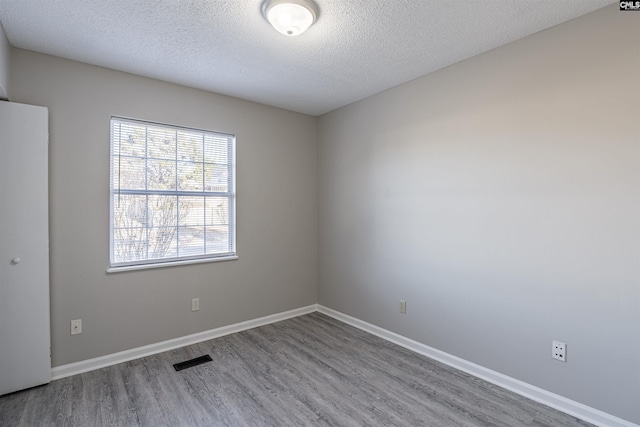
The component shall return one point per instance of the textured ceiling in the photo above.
(355, 49)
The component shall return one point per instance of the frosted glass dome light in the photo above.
(290, 17)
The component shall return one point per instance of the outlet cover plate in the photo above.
(559, 351)
(76, 327)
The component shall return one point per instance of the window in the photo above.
(172, 194)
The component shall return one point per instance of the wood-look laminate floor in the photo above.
(307, 371)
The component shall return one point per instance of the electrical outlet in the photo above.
(403, 307)
(559, 351)
(76, 327)
(195, 304)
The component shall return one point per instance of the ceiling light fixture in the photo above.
(290, 17)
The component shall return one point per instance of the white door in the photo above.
(25, 358)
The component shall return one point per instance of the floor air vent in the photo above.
(193, 362)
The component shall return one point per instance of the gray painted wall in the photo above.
(500, 198)
(276, 205)
(5, 50)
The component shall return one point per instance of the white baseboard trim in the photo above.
(147, 350)
(532, 392)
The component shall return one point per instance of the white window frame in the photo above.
(114, 193)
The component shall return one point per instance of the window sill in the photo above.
(169, 264)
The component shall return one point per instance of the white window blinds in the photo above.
(172, 193)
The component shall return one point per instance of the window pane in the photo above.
(217, 240)
(163, 211)
(161, 174)
(190, 146)
(129, 228)
(129, 173)
(191, 233)
(217, 212)
(216, 177)
(191, 241)
(163, 222)
(190, 176)
(129, 211)
(161, 143)
(162, 242)
(128, 140)
(130, 244)
(192, 210)
(216, 149)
